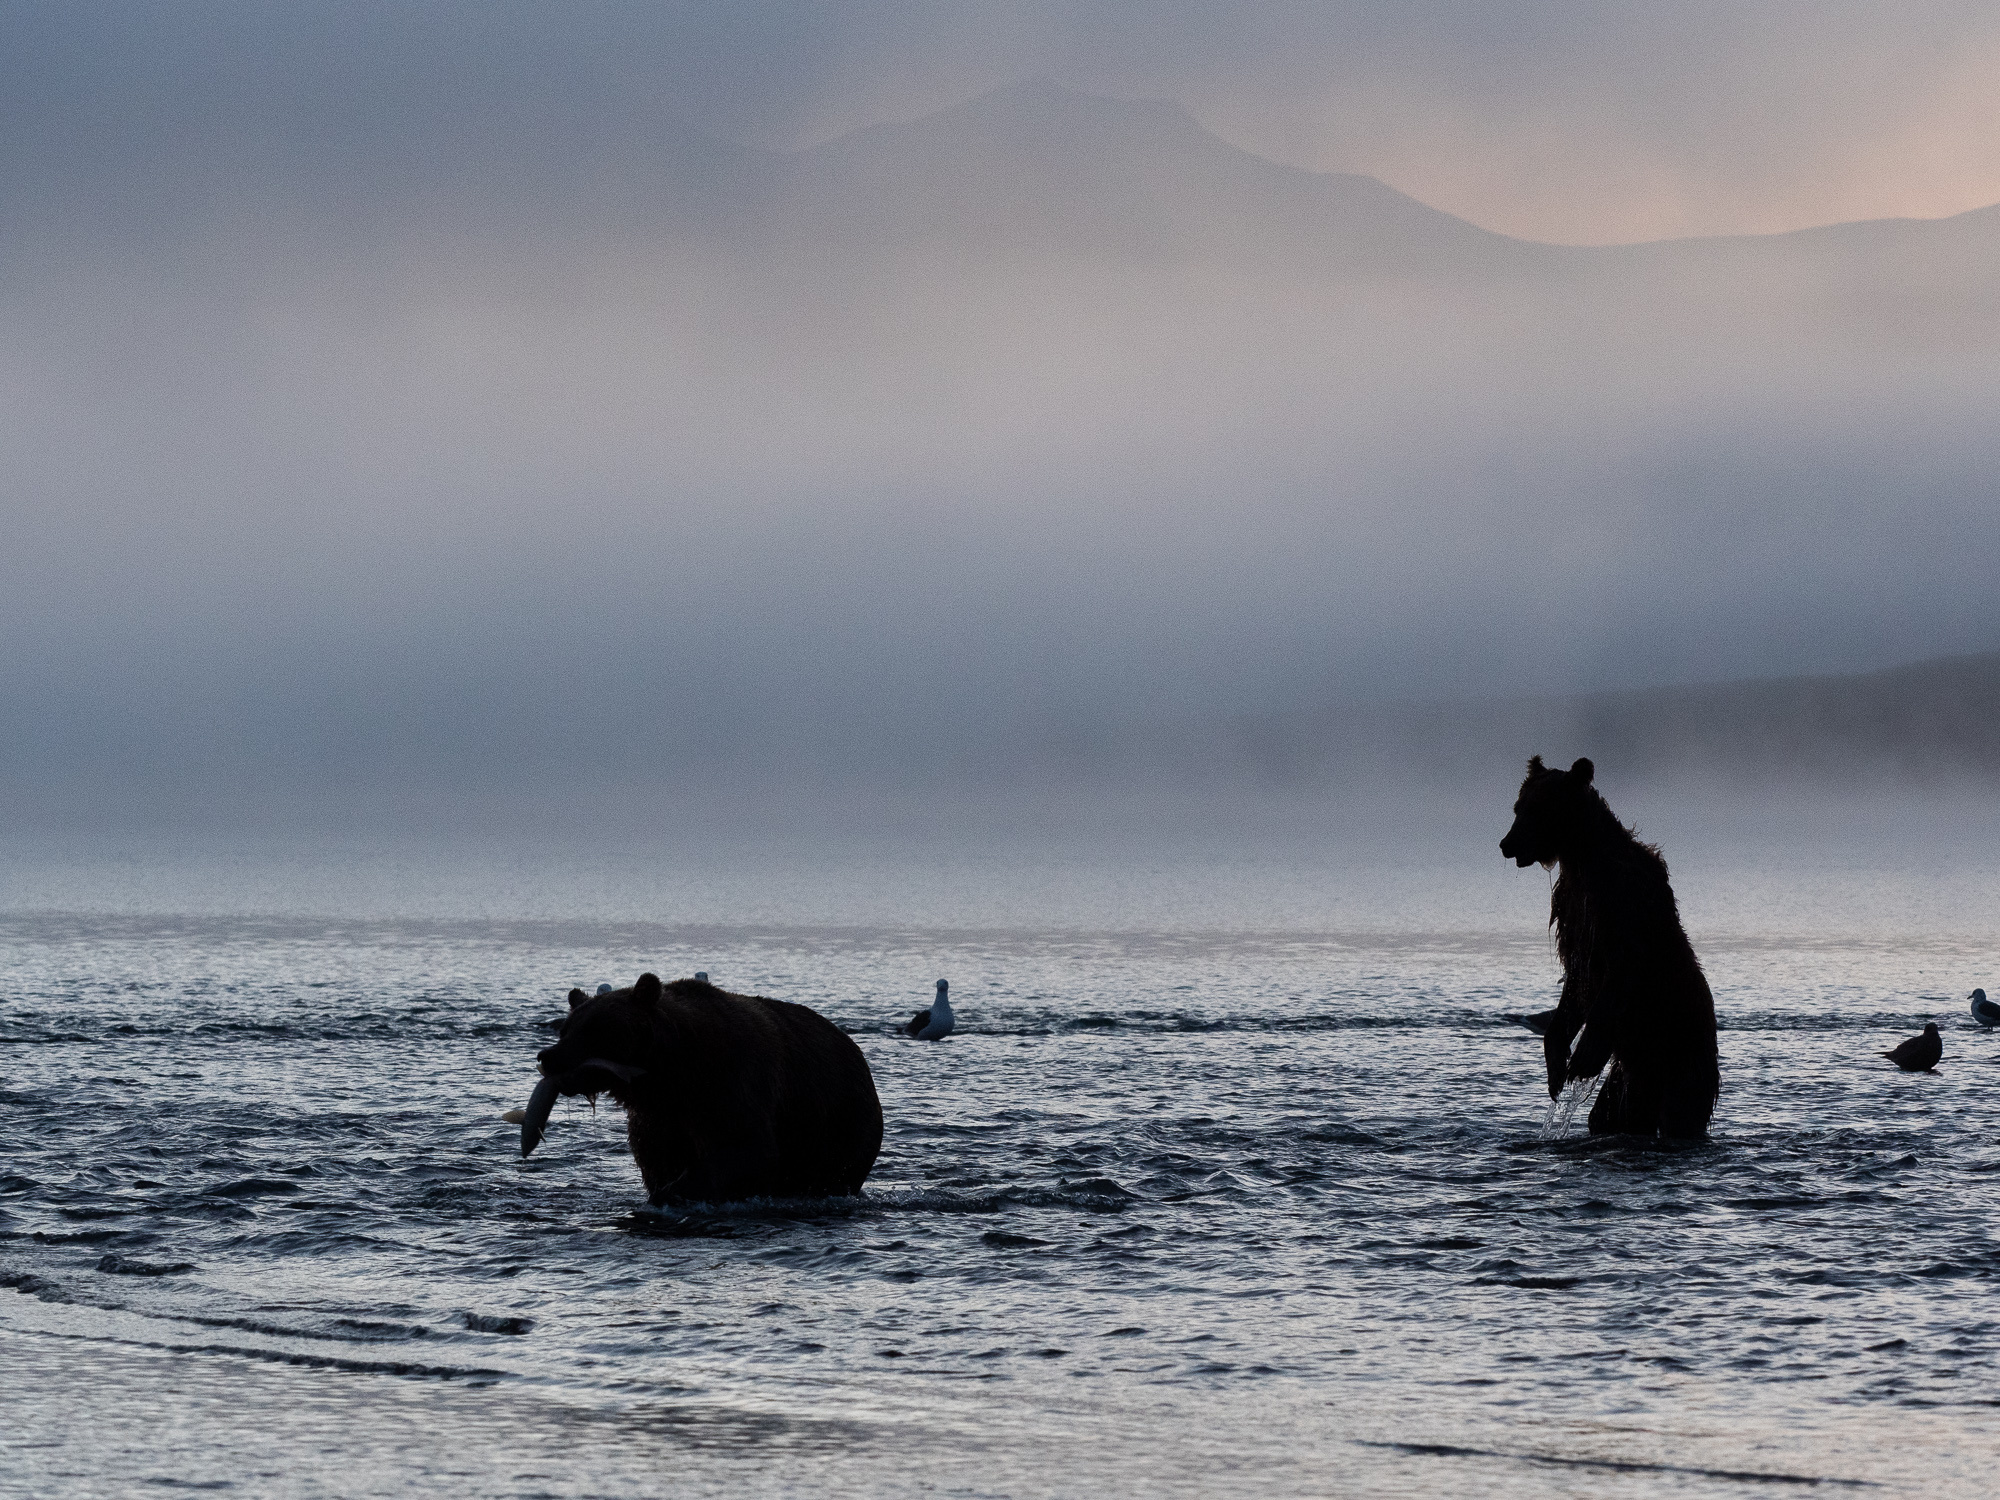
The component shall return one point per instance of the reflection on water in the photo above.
(1235, 1179)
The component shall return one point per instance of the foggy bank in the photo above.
(1930, 725)
(1917, 745)
(1047, 452)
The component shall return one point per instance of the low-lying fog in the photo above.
(1050, 434)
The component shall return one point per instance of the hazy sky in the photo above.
(1554, 119)
(402, 391)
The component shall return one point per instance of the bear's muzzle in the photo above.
(562, 1078)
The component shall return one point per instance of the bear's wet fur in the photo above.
(726, 1096)
(1632, 985)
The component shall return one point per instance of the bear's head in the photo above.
(605, 1040)
(1549, 813)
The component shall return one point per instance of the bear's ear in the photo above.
(1583, 770)
(1535, 766)
(576, 998)
(648, 988)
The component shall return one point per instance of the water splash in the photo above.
(1571, 1105)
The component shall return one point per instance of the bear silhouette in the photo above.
(1633, 994)
(725, 1096)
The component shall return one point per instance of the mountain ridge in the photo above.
(1031, 148)
(1044, 104)
(1036, 165)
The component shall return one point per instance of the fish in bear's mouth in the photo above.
(592, 1076)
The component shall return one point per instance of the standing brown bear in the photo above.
(726, 1096)
(1631, 982)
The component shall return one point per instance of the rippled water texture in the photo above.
(1234, 1180)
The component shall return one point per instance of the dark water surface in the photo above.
(1233, 1181)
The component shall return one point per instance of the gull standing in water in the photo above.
(1984, 1011)
(1920, 1053)
(935, 1024)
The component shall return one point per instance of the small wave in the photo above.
(1090, 1194)
(125, 1265)
(251, 1187)
(38, 1287)
(688, 1219)
(344, 1330)
(375, 1328)
(1335, 1135)
(1618, 1466)
(487, 1323)
(833, 1205)
(1532, 1283)
(1255, 1024)
(407, 1368)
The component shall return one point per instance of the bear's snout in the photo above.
(579, 1072)
(1518, 846)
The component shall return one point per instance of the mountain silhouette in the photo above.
(1028, 169)
(1035, 166)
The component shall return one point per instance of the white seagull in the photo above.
(935, 1024)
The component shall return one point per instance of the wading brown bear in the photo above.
(725, 1096)
(1632, 985)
